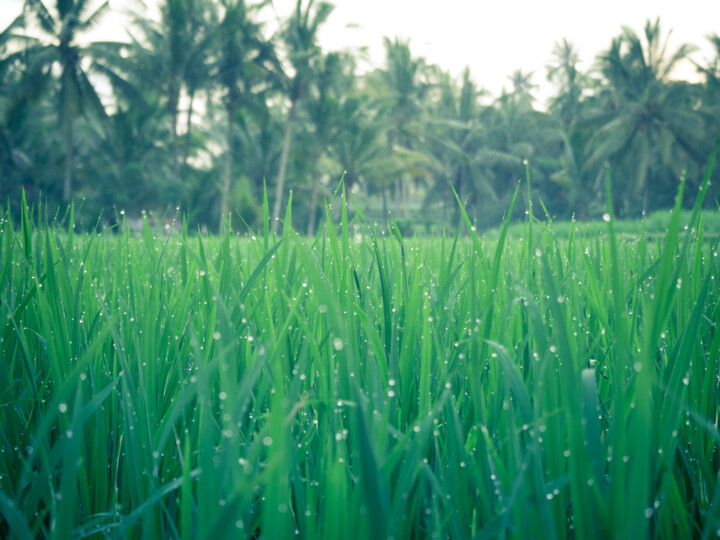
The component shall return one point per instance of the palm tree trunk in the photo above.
(279, 188)
(313, 207)
(176, 175)
(227, 176)
(405, 196)
(383, 190)
(188, 130)
(67, 182)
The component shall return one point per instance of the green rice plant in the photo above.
(544, 381)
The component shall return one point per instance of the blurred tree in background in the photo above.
(202, 107)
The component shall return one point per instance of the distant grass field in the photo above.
(530, 385)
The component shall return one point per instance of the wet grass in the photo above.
(531, 385)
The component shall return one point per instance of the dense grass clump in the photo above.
(360, 385)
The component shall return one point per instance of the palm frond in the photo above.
(45, 20)
(94, 18)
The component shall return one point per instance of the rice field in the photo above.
(360, 384)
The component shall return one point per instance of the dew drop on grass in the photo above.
(337, 344)
(606, 217)
(267, 441)
(63, 407)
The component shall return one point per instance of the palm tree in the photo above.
(570, 82)
(77, 96)
(174, 57)
(651, 129)
(300, 37)
(129, 163)
(246, 66)
(333, 83)
(710, 110)
(10, 100)
(711, 95)
(197, 67)
(361, 149)
(521, 97)
(475, 146)
(405, 90)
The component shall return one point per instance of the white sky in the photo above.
(492, 38)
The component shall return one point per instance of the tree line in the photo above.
(202, 112)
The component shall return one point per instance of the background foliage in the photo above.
(202, 106)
